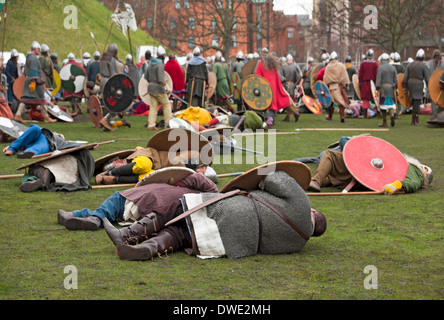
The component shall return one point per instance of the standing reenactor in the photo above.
(222, 87)
(336, 78)
(155, 75)
(351, 70)
(415, 74)
(33, 88)
(435, 64)
(133, 74)
(306, 75)
(367, 71)
(293, 75)
(386, 82)
(47, 66)
(196, 79)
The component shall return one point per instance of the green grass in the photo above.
(43, 21)
(400, 235)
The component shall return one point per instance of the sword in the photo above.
(179, 98)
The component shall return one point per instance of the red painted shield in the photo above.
(312, 105)
(374, 162)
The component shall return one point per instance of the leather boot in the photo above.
(414, 119)
(287, 116)
(162, 243)
(135, 233)
(44, 175)
(67, 219)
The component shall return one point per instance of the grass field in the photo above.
(401, 235)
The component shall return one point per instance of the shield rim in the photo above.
(110, 108)
(375, 93)
(327, 93)
(313, 74)
(262, 79)
(313, 109)
(435, 89)
(98, 163)
(83, 74)
(95, 118)
(143, 88)
(163, 175)
(248, 69)
(347, 154)
(16, 124)
(355, 79)
(212, 83)
(56, 115)
(235, 90)
(403, 98)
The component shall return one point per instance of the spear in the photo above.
(95, 41)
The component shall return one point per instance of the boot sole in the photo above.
(112, 232)
(80, 224)
(126, 252)
(31, 186)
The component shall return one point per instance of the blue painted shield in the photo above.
(323, 93)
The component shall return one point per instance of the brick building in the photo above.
(228, 26)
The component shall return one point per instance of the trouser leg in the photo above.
(112, 208)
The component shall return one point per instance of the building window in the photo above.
(219, 4)
(186, 4)
(149, 23)
(191, 42)
(235, 24)
(173, 42)
(173, 23)
(290, 33)
(177, 4)
(191, 24)
(213, 23)
(234, 40)
(215, 41)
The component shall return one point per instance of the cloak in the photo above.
(173, 68)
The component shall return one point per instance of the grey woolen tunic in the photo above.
(238, 223)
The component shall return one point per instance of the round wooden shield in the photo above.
(375, 93)
(179, 140)
(57, 83)
(61, 153)
(435, 90)
(323, 93)
(403, 97)
(11, 128)
(355, 80)
(85, 89)
(58, 113)
(248, 68)
(312, 105)
(374, 162)
(235, 85)
(212, 82)
(95, 110)
(72, 78)
(100, 162)
(257, 92)
(251, 179)
(313, 74)
(164, 175)
(143, 88)
(18, 86)
(118, 93)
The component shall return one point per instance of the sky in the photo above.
(294, 6)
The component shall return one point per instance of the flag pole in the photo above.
(4, 28)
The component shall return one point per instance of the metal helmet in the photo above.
(397, 57)
(160, 51)
(310, 59)
(370, 53)
(240, 55)
(96, 54)
(348, 59)
(53, 55)
(129, 57)
(290, 58)
(86, 55)
(44, 48)
(334, 55)
(14, 53)
(324, 57)
(392, 55)
(71, 56)
(35, 45)
(384, 57)
(420, 54)
(196, 51)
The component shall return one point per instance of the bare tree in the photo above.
(391, 24)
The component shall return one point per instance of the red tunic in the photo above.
(367, 71)
(173, 68)
(320, 75)
(280, 97)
